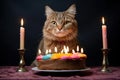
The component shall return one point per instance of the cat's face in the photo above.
(60, 25)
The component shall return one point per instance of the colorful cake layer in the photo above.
(61, 61)
(61, 56)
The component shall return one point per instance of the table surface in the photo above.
(10, 72)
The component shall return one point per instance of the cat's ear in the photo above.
(48, 11)
(72, 10)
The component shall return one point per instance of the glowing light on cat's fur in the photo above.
(104, 33)
(22, 34)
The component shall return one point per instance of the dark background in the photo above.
(89, 13)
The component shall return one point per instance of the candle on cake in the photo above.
(66, 54)
(56, 54)
(39, 57)
(65, 49)
(55, 49)
(47, 55)
(73, 51)
(104, 34)
(49, 51)
(39, 51)
(75, 55)
(22, 34)
(82, 51)
(77, 48)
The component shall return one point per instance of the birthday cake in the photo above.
(61, 61)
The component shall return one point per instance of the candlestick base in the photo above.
(22, 61)
(105, 62)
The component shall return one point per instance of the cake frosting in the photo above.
(61, 61)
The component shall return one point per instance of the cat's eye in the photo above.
(67, 22)
(53, 22)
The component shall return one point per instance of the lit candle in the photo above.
(73, 51)
(67, 49)
(39, 57)
(49, 51)
(46, 51)
(22, 35)
(104, 33)
(39, 51)
(62, 51)
(64, 48)
(47, 55)
(55, 49)
(82, 51)
(77, 48)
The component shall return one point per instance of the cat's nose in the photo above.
(59, 27)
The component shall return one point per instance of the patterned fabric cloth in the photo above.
(10, 73)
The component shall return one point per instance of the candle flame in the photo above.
(22, 22)
(46, 52)
(67, 49)
(64, 48)
(77, 48)
(103, 20)
(62, 51)
(39, 51)
(82, 50)
(73, 51)
(49, 51)
(55, 49)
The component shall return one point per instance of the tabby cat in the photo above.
(60, 29)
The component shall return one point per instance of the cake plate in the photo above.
(79, 70)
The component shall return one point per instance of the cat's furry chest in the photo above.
(50, 44)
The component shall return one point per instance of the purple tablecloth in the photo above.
(9, 72)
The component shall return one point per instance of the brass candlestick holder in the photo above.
(105, 62)
(22, 61)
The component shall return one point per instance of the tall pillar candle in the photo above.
(22, 35)
(104, 34)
